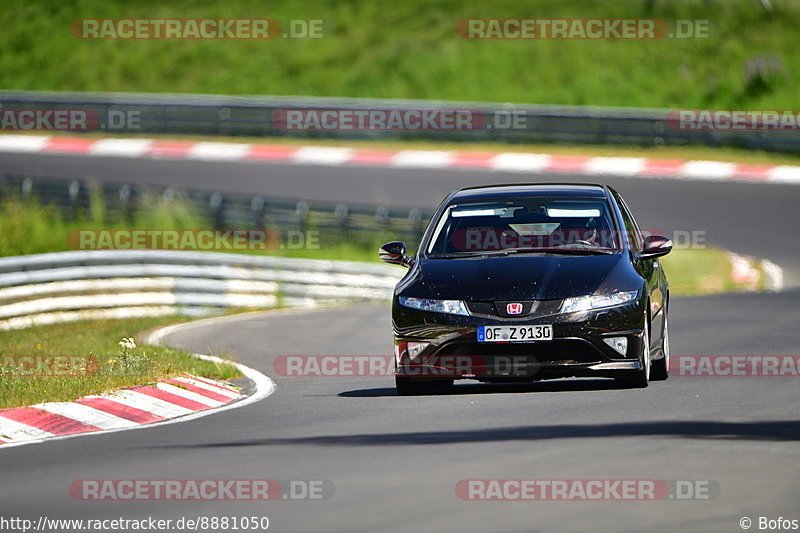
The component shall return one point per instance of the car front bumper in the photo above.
(447, 346)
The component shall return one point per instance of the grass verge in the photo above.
(411, 50)
(109, 365)
(29, 227)
(706, 271)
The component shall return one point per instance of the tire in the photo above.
(410, 387)
(641, 378)
(660, 370)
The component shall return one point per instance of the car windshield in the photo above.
(524, 225)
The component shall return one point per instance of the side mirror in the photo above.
(394, 253)
(655, 246)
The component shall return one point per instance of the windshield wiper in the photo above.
(456, 255)
(576, 251)
(509, 251)
(580, 251)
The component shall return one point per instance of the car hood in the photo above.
(518, 277)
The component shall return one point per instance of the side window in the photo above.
(631, 228)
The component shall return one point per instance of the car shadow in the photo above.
(460, 389)
(775, 430)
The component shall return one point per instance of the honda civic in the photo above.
(530, 282)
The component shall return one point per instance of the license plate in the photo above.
(515, 333)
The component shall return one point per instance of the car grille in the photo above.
(531, 308)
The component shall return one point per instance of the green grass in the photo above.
(114, 368)
(693, 272)
(410, 50)
(344, 251)
(28, 227)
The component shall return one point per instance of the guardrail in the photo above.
(263, 116)
(333, 222)
(67, 286)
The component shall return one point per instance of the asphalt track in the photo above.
(395, 461)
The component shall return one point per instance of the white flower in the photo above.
(127, 343)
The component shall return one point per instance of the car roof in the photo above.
(592, 190)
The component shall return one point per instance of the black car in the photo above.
(530, 282)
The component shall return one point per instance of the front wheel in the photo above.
(661, 367)
(641, 378)
(412, 387)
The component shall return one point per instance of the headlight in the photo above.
(584, 303)
(454, 307)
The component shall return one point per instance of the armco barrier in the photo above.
(328, 223)
(66, 286)
(262, 116)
